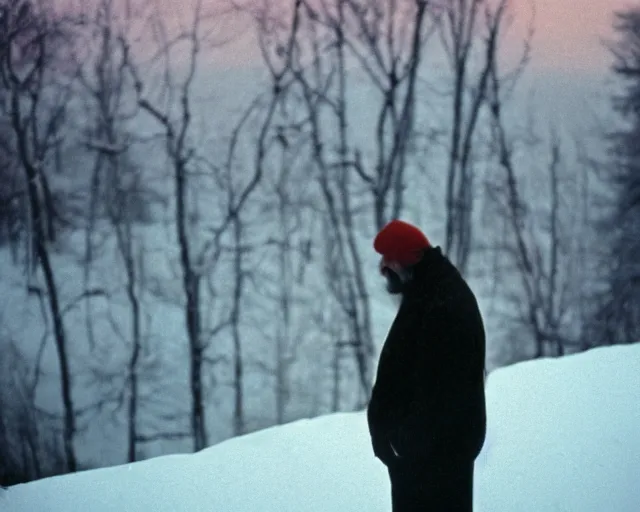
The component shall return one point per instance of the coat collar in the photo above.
(433, 269)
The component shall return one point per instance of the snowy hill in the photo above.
(563, 435)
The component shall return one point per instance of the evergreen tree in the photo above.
(618, 317)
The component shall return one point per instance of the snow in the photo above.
(562, 436)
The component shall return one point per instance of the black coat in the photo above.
(428, 401)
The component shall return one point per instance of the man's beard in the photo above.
(395, 285)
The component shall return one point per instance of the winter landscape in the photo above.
(188, 198)
(563, 435)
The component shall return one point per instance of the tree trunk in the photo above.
(39, 238)
(126, 240)
(335, 398)
(283, 341)
(60, 337)
(191, 283)
(238, 369)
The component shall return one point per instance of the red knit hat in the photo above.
(401, 242)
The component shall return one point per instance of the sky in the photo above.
(568, 35)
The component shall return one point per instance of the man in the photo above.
(427, 415)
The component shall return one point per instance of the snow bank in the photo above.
(563, 436)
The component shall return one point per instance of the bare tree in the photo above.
(316, 50)
(288, 204)
(37, 109)
(116, 191)
(180, 153)
(460, 25)
(350, 287)
(239, 280)
(541, 242)
(197, 261)
(264, 112)
(290, 222)
(105, 81)
(284, 342)
(132, 261)
(386, 38)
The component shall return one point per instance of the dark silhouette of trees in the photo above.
(38, 98)
(617, 319)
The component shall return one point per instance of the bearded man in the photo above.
(427, 413)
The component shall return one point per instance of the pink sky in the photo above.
(568, 32)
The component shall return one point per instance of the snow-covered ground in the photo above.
(564, 435)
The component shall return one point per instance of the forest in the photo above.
(185, 236)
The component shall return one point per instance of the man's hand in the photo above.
(395, 452)
(383, 450)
